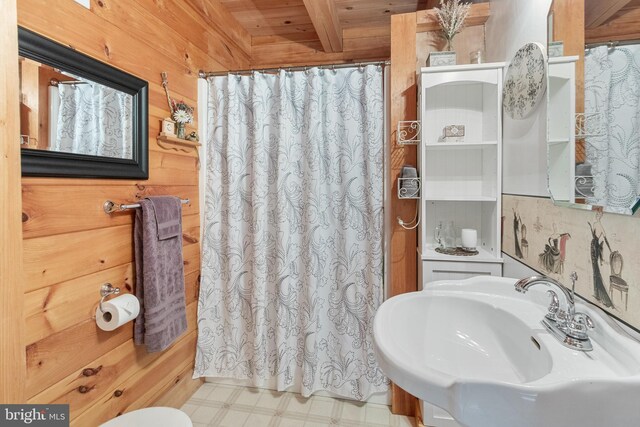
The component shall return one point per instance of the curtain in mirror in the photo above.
(92, 119)
(292, 256)
(612, 105)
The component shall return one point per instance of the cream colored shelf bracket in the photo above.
(408, 132)
(414, 223)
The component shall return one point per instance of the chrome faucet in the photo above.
(566, 325)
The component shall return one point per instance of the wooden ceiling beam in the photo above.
(324, 16)
(622, 26)
(432, 3)
(427, 20)
(598, 12)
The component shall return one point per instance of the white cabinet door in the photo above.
(432, 416)
(457, 270)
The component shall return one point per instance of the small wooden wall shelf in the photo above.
(172, 142)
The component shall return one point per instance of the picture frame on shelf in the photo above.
(168, 127)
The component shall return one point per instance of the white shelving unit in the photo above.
(461, 181)
(561, 142)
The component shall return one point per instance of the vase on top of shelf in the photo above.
(451, 16)
(182, 114)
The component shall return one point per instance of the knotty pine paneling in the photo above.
(360, 13)
(304, 48)
(47, 309)
(54, 356)
(184, 386)
(44, 215)
(142, 388)
(12, 361)
(71, 247)
(269, 17)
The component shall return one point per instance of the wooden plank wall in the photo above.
(71, 246)
(12, 359)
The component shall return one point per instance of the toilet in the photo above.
(151, 417)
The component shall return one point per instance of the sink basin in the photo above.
(476, 348)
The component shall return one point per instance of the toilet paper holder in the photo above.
(106, 290)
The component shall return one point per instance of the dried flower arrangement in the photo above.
(182, 113)
(451, 16)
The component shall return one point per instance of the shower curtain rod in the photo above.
(205, 74)
(612, 43)
(56, 82)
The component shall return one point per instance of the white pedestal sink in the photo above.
(476, 348)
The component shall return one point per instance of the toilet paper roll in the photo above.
(117, 312)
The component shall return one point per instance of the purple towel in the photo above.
(159, 273)
(168, 216)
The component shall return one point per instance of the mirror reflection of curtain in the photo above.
(54, 111)
(94, 119)
(612, 90)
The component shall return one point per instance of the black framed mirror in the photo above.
(79, 117)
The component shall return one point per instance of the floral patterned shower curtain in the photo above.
(612, 100)
(94, 119)
(292, 257)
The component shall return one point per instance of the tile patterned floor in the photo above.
(220, 405)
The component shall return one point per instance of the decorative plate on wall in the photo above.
(526, 81)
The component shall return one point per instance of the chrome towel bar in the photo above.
(110, 207)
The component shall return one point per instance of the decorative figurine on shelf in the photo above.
(193, 136)
(451, 16)
(454, 133)
(182, 114)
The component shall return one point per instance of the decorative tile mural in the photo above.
(601, 248)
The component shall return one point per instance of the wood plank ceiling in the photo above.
(307, 32)
(612, 20)
(290, 17)
(283, 32)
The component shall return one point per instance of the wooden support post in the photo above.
(12, 352)
(568, 27)
(403, 254)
